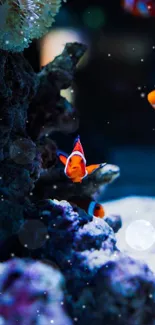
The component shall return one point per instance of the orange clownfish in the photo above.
(151, 98)
(75, 163)
(91, 207)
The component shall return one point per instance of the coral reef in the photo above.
(77, 231)
(22, 160)
(104, 286)
(31, 293)
(122, 291)
(22, 21)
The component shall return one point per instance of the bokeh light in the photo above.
(140, 235)
(140, 8)
(94, 17)
(54, 42)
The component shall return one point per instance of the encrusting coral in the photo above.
(103, 285)
(31, 293)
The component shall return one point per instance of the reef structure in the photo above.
(103, 286)
(52, 183)
(21, 159)
(31, 293)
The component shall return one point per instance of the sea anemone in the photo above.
(23, 20)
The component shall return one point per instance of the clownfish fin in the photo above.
(92, 168)
(78, 146)
(62, 156)
(76, 140)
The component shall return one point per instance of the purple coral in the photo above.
(124, 293)
(103, 285)
(72, 230)
(31, 293)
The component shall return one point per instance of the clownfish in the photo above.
(151, 98)
(144, 8)
(75, 163)
(91, 207)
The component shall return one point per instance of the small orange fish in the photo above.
(151, 98)
(75, 164)
(91, 207)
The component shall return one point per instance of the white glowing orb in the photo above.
(54, 42)
(140, 235)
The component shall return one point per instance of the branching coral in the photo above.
(23, 20)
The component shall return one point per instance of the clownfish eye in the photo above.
(81, 160)
(97, 207)
(70, 160)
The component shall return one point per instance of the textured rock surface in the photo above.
(114, 221)
(31, 293)
(104, 286)
(71, 230)
(18, 84)
(50, 111)
(21, 159)
(55, 184)
(121, 292)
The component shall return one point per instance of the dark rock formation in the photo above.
(50, 111)
(114, 221)
(55, 184)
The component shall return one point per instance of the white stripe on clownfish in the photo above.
(75, 153)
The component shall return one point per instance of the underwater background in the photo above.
(117, 123)
(77, 152)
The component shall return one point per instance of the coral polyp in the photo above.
(24, 20)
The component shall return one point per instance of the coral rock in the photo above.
(50, 111)
(114, 221)
(31, 293)
(124, 293)
(71, 230)
(55, 184)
